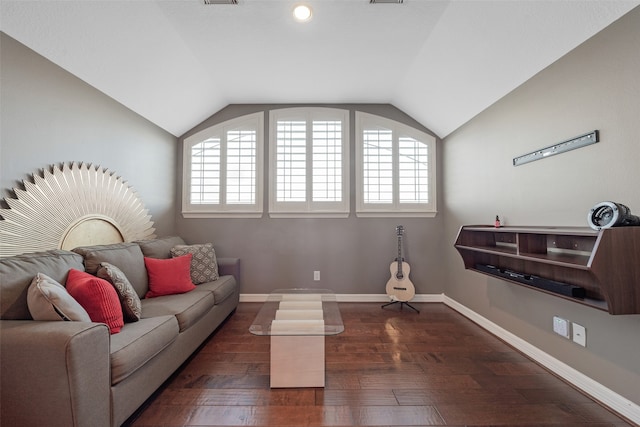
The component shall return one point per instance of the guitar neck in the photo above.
(399, 259)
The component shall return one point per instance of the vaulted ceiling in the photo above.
(176, 62)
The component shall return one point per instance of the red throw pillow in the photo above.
(97, 297)
(169, 276)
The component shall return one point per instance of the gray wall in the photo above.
(49, 116)
(594, 87)
(353, 254)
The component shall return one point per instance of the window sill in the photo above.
(396, 214)
(222, 214)
(309, 215)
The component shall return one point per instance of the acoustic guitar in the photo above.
(399, 287)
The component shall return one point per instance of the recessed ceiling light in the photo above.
(302, 13)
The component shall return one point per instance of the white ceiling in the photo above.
(176, 62)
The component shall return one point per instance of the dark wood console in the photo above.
(600, 269)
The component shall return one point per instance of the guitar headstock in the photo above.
(399, 230)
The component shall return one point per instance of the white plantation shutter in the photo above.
(205, 172)
(377, 158)
(327, 161)
(241, 167)
(222, 169)
(413, 165)
(395, 168)
(291, 161)
(309, 168)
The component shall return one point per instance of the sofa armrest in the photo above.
(54, 373)
(229, 266)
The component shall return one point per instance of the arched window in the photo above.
(395, 168)
(222, 169)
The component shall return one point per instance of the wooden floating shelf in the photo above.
(601, 267)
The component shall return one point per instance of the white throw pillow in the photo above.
(49, 300)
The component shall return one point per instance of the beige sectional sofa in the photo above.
(71, 373)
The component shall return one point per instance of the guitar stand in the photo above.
(402, 303)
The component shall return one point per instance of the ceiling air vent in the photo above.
(385, 1)
(220, 1)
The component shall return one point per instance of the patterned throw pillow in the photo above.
(129, 299)
(204, 266)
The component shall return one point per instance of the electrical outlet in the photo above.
(579, 333)
(561, 326)
(316, 275)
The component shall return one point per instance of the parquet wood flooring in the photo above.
(388, 368)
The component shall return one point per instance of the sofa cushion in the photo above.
(139, 342)
(222, 288)
(49, 300)
(126, 256)
(187, 308)
(17, 272)
(204, 267)
(168, 276)
(129, 299)
(159, 248)
(98, 297)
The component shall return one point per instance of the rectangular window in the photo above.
(309, 172)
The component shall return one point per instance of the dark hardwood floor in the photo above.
(388, 368)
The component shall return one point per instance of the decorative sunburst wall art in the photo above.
(70, 206)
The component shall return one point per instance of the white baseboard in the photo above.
(597, 391)
(353, 298)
